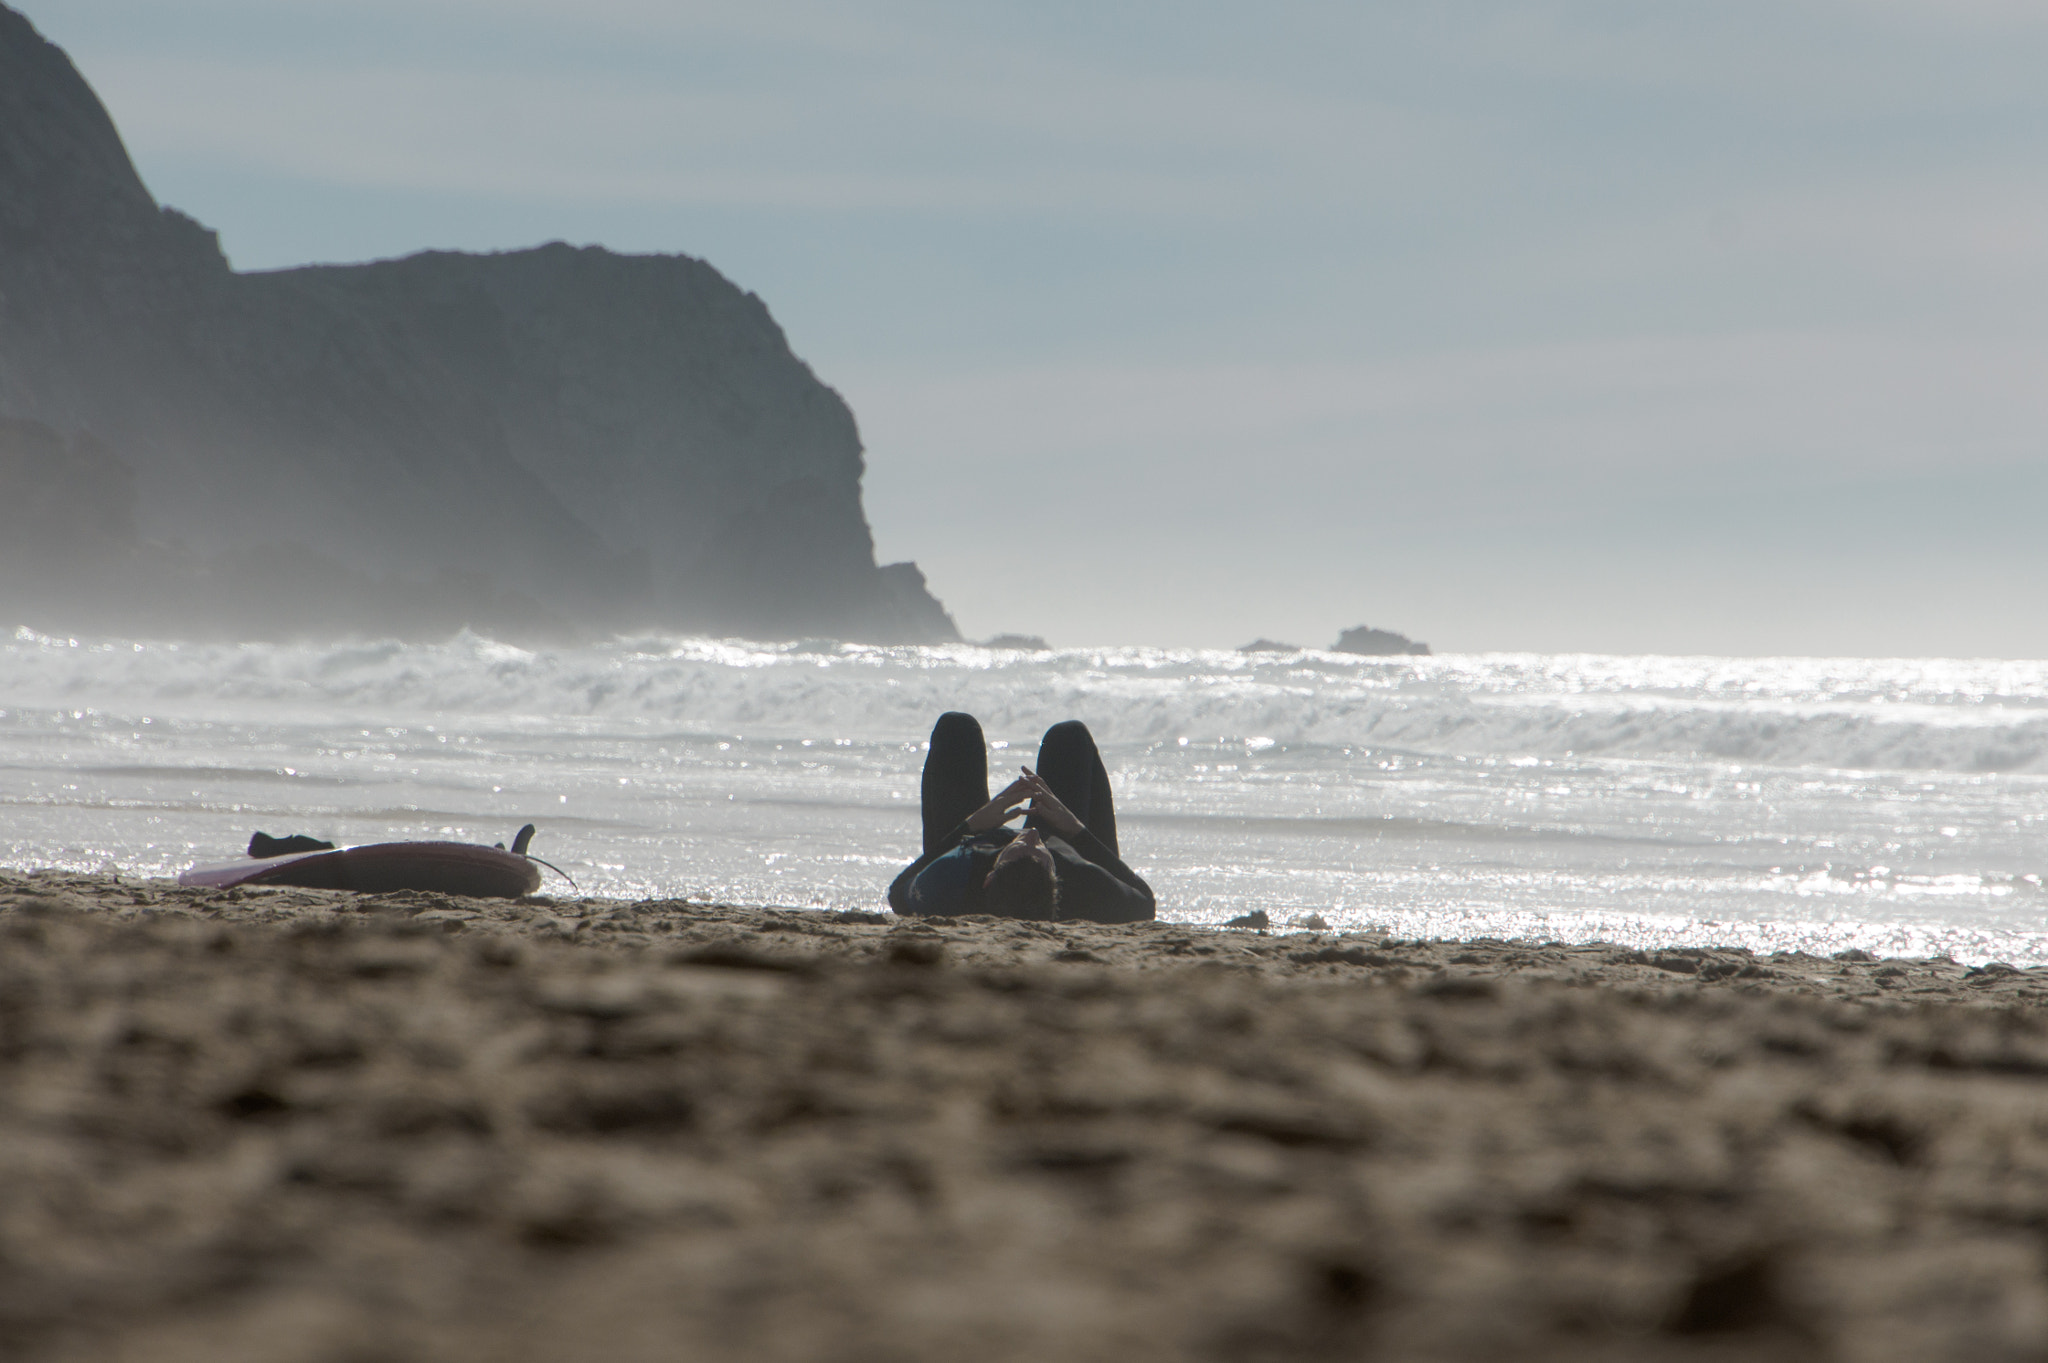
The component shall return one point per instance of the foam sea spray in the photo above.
(1765, 800)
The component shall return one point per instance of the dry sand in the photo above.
(299, 1125)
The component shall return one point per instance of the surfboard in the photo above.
(381, 867)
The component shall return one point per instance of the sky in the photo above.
(1570, 325)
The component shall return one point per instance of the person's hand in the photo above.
(1046, 806)
(1001, 809)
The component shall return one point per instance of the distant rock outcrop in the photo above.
(1024, 643)
(624, 441)
(1378, 643)
(1268, 646)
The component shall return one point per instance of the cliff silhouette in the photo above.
(557, 438)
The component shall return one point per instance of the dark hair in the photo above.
(1023, 887)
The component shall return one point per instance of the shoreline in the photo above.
(1278, 951)
(298, 1124)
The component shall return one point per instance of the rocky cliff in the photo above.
(611, 440)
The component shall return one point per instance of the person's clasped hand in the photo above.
(1004, 807)
(1046, 806)
(1028, 794)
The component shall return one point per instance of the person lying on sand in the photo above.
(1062, 864)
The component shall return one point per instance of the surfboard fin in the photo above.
(263, 845)
(520, 842)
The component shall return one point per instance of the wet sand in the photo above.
(302, 1125)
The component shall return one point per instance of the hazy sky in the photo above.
(1709, 327)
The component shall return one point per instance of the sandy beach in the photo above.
(299, 1125)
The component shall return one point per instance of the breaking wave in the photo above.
(1840, 714)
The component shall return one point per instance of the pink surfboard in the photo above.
(465, 868)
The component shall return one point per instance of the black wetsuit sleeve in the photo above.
(899, 888)
(1100, 888)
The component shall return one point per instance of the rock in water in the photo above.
(1378, 643)
(625, 440)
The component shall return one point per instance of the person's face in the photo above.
(1025, 844)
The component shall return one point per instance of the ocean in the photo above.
(1899, 806)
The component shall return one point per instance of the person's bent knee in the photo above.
(1065, 732)
(956, 726)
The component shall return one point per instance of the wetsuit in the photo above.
(1094, 883)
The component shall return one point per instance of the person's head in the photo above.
(1021, 884)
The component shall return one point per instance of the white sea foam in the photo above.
(1769, 800)
(1851, 714)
